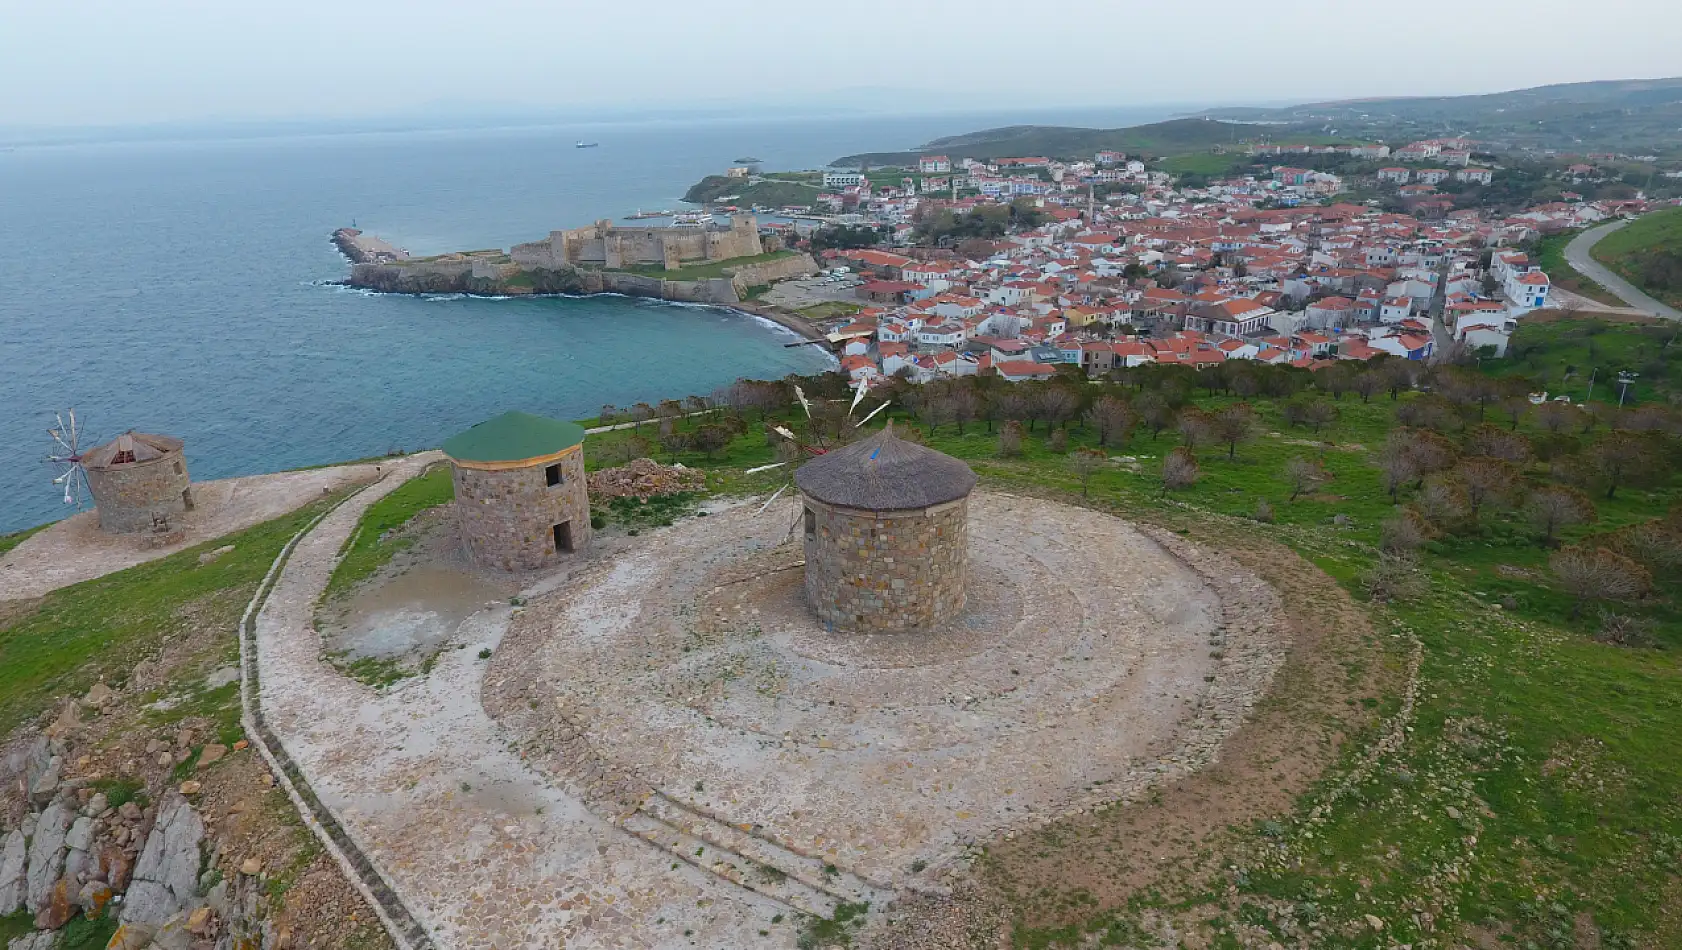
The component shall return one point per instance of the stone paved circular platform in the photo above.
(1092, 659)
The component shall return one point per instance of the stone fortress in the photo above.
(605, 244)
(886, 535)
(139, 482)
(522, 503)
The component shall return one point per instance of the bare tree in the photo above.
(1234, 424)
(1319, 413)
(1154, 411)
(710, 438)
(672, 439)
(1056, 404)
(1336, 379)
(1656, 543)
(1515, 408)
(1302, 475)
(965, 405)
(641, 413)
(1196, 428)
(1500, 443)
(1443, 500)
(1112, 419)
(1179, 470)
(1084, 462)
(1489, 482)
(1405, 533)
(1013, 406)
(1395, 577)
(609, 414)
(1619, 458)
(1368, 384)
(1010, 439)
(1553, 507)
(1552, 416)
(932, 405)
(1597, 573)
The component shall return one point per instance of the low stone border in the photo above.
(405, 930)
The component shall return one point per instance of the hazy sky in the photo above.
(82, 62)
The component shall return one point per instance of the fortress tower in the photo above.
(887, 542)
(521, 499)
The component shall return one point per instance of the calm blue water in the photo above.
(176, 287)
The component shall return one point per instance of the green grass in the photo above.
(1620, 249)
(16, 925)
(710, 269)
(1199, 163)
(829, 310)
(1550, 256)
(9, 541)
(104, 626)
(372, 545)
(1563, 355)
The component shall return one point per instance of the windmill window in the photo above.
(811, 523)
(179, 469)
(552, 476)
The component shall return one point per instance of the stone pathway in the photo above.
(484, 850)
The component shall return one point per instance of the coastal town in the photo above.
(1107, 264)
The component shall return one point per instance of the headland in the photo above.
(705, 264)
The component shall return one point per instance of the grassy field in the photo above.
(1563, 357)
(104, 626)
(829, 310)
(1200, 163)
(1550, 255)
(1658, 230)
(9, 541)
(372, 544)
(709, 269)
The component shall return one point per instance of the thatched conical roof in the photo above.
(885, 473)
(131, 448)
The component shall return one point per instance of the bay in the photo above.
(180, 285)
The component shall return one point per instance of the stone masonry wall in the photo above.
(754, 275)
(886, 571)
(129, 497)
(507, 518)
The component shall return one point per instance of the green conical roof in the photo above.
(513, 436)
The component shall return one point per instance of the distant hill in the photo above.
(1175, 136)
(1632, 116)
(1615, 115)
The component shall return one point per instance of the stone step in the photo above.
(839, 885)
(732, 867)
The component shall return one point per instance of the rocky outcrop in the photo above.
(13, 861)
(167, 874)
(39, 940)
(46, 854)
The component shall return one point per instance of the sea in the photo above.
(181, 282)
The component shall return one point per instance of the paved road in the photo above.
(1577, 255)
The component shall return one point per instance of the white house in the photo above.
(1526, 291)
(842, 179)
(1395, 310)
(934, 164)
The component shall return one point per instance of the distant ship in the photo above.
(585, 145)
(641, 214)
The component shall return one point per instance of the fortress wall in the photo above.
(754, 275)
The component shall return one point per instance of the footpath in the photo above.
(477, 846)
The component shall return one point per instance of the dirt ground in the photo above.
(1177, 841)
(75, 550)
(1095, 663)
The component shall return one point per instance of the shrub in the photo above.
(1264, 512)
(598, 522)
(1395, 577)
(1010, 440)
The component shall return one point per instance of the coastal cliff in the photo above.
(378, 266)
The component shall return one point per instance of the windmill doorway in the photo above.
(563, 537)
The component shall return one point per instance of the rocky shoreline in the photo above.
(380, 267)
